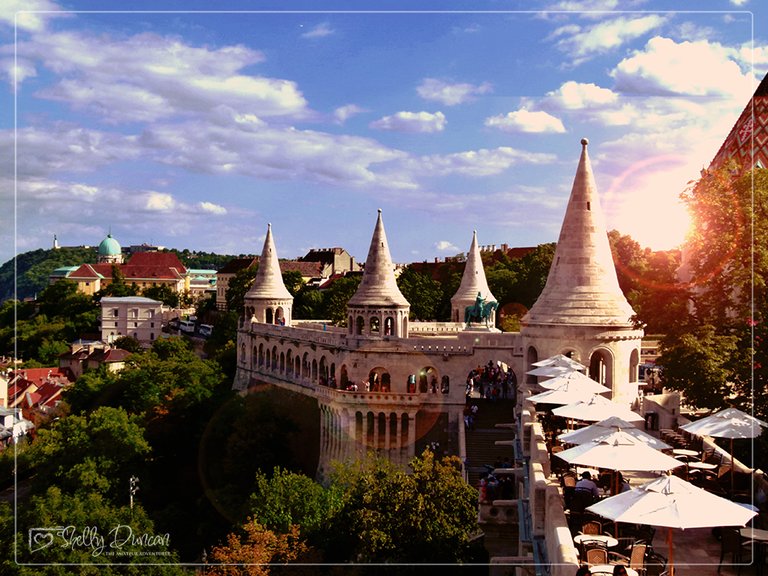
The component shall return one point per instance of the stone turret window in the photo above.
(360, 325)
(375, 322)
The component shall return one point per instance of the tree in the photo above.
(89, 453)
(422, 292)
(238, 287)
(391, 516)
(336, 297)
(293, 281)
(118, 286)
(252, 549)
(162, 293)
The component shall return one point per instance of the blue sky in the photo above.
(195, 127)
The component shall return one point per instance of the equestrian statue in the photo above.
(479, 311)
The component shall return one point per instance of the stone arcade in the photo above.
(410, 376)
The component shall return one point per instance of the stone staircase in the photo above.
(480, 442)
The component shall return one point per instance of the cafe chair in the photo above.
(592, 527)
(635, 559)
(596, 555)
(731, 542)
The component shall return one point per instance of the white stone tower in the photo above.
(582, 311)
(473, 282)
(268, 301)
(378, 309)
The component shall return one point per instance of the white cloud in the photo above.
(320, 31)
(576, 95)
(698, 68)
(159, 202)
(344, 113)
(607, 35)
(526, 121)
(17, 72)
(29, 15)
(412, 122)
(445, 246)
(211, 208)
(451, 94)
(149, 77)
(476, 163)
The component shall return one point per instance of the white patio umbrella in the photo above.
(560, 360)
(595, 409)
(619, 451)
(728, 423)
(561, 396)
(611, 424)
(549, 371)
(575, 380)
(672, 502)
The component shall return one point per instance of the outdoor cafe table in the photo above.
(608, 569)
(684, 452)
(609, 541)
(702, 465)
(759, 537)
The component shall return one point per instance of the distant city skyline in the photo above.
(196, 124)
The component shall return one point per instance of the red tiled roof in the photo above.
(236, 264)
(306, 269)
(109, 355)
(156, 260)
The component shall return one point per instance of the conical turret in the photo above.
(378, 301)
(269, 300)
(473, 282)
(582, 286)
(378, 286)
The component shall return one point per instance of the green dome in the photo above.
(109, 247)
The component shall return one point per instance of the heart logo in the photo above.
(39, 540)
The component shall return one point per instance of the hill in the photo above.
(31, 270)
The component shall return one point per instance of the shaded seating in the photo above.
(732, 543)
(635, 559)
(592, 527)
(595, 555)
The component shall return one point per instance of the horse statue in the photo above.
(479, 311)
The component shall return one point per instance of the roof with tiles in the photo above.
(268, 283)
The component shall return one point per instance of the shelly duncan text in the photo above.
(119, 540)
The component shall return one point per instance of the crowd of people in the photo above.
(492, 382)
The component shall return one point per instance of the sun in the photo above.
(644, 202)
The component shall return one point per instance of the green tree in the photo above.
(162, 293)
(89, 453)
(422, 292)
(293, 281)
(336, 297)
(118, 286)
(308, 303)
(238, 287)
(392, 516)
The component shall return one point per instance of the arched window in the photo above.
(282, 362)
(445, 384)
(269, 313)
(242, 353)
(375, 322)
(274, 358)
(389, 326)
(360, 325)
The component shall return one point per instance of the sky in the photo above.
(194, 124)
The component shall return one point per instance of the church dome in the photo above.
(109, 247)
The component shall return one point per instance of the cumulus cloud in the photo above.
(451, 94)
(147, 77)
(29, 15)
(526, 121)
(159, 202)
(581, 43)
(320, 31)
(211, 208)
(667, 67)
(343, 113)
(412, 122)
(445, 246)
(577, 95)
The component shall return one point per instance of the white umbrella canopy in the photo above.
(671, 502)
(575, 380)
(560, 360)
(549, 371)
(611, 424)
(595, 409)
(560, 396)
(619, 451)
(728, 423)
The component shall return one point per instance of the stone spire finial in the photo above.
(473, 280)
(582, 286)
(269, 280)
(378, 286)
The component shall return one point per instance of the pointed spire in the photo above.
(582, 286)
(378, 286)
(269, 280)
(473, 280)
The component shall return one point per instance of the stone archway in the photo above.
(601, 367)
